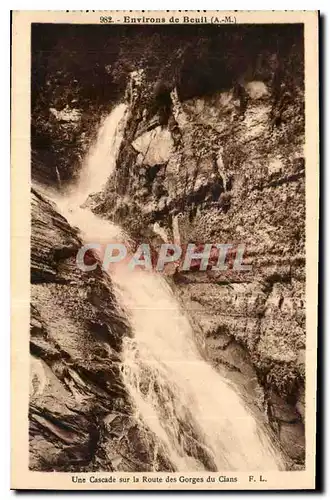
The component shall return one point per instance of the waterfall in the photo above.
(58, 178)
(196, 415)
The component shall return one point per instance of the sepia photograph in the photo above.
(170, 182)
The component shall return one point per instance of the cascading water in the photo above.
(197, 416)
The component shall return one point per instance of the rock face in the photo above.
(229, 168)
(81, 418)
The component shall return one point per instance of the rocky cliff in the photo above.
(81, 418)
(228, 167)
(212, 153)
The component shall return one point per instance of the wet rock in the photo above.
(281, 410)
(300, 405)
(256, 89)
(235, 177)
